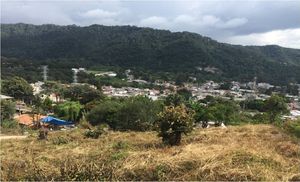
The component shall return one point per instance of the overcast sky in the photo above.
(246, 22)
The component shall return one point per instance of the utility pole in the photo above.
(45, 72)
(75, 71)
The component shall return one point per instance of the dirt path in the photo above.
(12, 137)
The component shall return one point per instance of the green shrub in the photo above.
(119, 155)
(260, 118)
(60, 140)
(120, 145)
(293, 127)
(11, 124)
(136, 113)
(173, 122)
(93, 133)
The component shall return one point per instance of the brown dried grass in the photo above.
(251, 152)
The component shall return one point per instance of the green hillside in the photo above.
(145, 50)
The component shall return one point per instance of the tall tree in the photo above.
(68, 110)
(174, 99)
(275, 106)
(18, 88)
(83, 93)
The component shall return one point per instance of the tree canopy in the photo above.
(148, 52)
(275, 106)
(18, 88)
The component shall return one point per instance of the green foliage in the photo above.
(225, 86)
(60, 140)
(50, 87)
(275, 106)
(218, 110)
(292, 89)
(253, 105)
(186, 94)
(292, 127)
(164, 54)
(174, 99)
(138, 113)
(120, 145)
(260, 118)
(18, 88)
(83, 123)
(119, 155)
(8, 109)
(173, 122)
(199, 109)
(9, 124)
(47, 105)
(105, 112)
(82, 93)
(208, 99)
(68, 110)
(135, 113)
(95, 133)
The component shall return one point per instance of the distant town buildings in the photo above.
(108, 73)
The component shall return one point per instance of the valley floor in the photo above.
(250, 152)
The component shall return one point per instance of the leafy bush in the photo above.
(293, 127)
(11, 124)
(216, 109)
(120, 145)
(8, 109)
(105, 112)
(260, 118)
(94, 133)
(136, 113)
(60, 140)
(174, 121)
(253, 105)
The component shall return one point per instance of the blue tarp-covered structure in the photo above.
(56, 121)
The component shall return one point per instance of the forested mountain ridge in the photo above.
(148, 50)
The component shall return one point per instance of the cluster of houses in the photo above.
(131, 91)
(238, 91)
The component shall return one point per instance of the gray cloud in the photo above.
(232, 21)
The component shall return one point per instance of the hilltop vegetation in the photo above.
(240, 153)
(149, 52)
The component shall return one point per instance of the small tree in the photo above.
(47, 105)
(174, 121)
(274, 106)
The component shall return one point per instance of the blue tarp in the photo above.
(55, 121)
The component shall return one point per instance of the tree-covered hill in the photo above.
(146, 50)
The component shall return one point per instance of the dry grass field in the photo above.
(250, 152)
